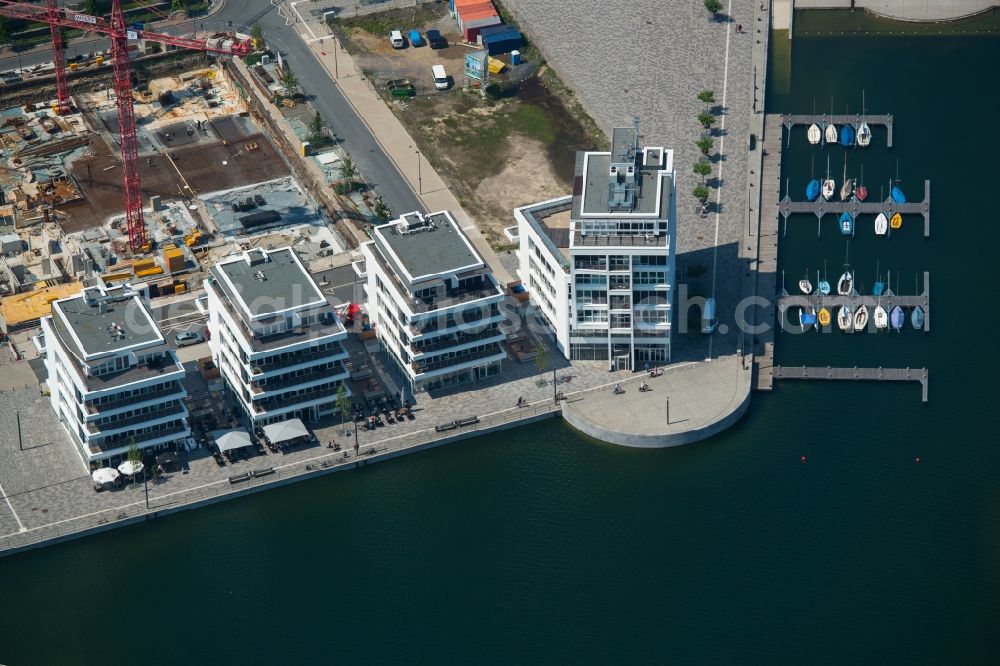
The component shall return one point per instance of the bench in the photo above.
(444, 427)
(237, 479)
(263, 472)
(471, 420)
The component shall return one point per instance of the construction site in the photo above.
(211, 181)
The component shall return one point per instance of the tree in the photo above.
(541, 358)
(343, 403)
(316, 126)
(705, 144)
(288, 80)
(707, 96)
(706, 119)
(134, 455)
(177, 5)
(347, 168)
(714, 6)
(257, 33)
(5, 36)
(90, 7)
(702, 168)
(701, 193)
(381, 209)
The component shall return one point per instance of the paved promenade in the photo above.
(906, 10)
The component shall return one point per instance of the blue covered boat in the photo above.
(917, 318)
(897, 317)
(847, 135)
(812, 190)
(897, 195)
(846, 224)
(807, 319)
(879, 288)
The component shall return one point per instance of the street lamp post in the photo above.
(420, 183)
(145, 486)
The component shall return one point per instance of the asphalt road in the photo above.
(354, 135)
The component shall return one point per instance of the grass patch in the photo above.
(381, 23)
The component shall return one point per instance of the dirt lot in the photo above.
(514, 148)
(201, 165)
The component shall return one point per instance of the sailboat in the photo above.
(897, 221)
(897, 317)
(805, 286)
(881, 318)
(807, 317)
(847, 189)
(847, 135)
(917, 318)
(864, 132)
(861, 191)
(824, 284)
(812, 190)
(879, 288)
(861, 318)
(828, 184)
(897, 195)
(845, 284)
(846, 223)
(881, 224)
(823, 317)
(813, 134)
(845, 319)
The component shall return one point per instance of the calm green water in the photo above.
(542, 546)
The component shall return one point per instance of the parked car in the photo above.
(440, 77)
(415, 38)
(186, 338)
(396, 39)
(436, 40)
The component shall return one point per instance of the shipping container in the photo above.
(501, 39)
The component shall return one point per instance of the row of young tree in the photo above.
(705, 143)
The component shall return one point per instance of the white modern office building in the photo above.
(111, 377)
(275, 337)
(599, 264)
(434, 301)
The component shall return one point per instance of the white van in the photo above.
(708, 317)
(440, 77)
(396, 39)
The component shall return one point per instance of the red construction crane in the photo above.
(120, 33)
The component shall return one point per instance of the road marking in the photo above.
(320, 38)
(303, 22)
(20, 525)
(722, 143)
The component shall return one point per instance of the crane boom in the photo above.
(120, 33)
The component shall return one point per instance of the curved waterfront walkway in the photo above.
(906, 10)
(687, 403)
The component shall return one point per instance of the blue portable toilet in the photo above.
(515, 57)
(499, 39)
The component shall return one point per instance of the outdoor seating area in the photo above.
(285, 435)
(378, 410)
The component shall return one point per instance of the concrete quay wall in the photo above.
(904, 10)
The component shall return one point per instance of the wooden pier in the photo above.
(857, 374)
(888, 300)
(821, 207)
(767, 251)
(790, 120)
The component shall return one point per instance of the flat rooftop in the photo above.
(426, 246)
(262, 282)
(651, 195)
(552, 221)
(113, 322)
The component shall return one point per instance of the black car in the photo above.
(435, 40)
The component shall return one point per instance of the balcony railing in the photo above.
(139, 438)
(437, 344)
(268, 404)
(91, 408)
(274, 362)
(94, 427)
(278, 384)
(465, 318)
(420, 367)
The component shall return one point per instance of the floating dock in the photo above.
(857, 374)
(821, 207)
(790, 120)
(888, 300)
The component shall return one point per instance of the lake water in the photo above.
(539, 545)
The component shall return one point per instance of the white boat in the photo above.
(847, 189)
(805, 286)
(861, 318)
(881, 318)
(881, 224)
(828, 187)
(845, 284)
(831, 133)
(864, 136)
(814, 134)
(845, 319)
